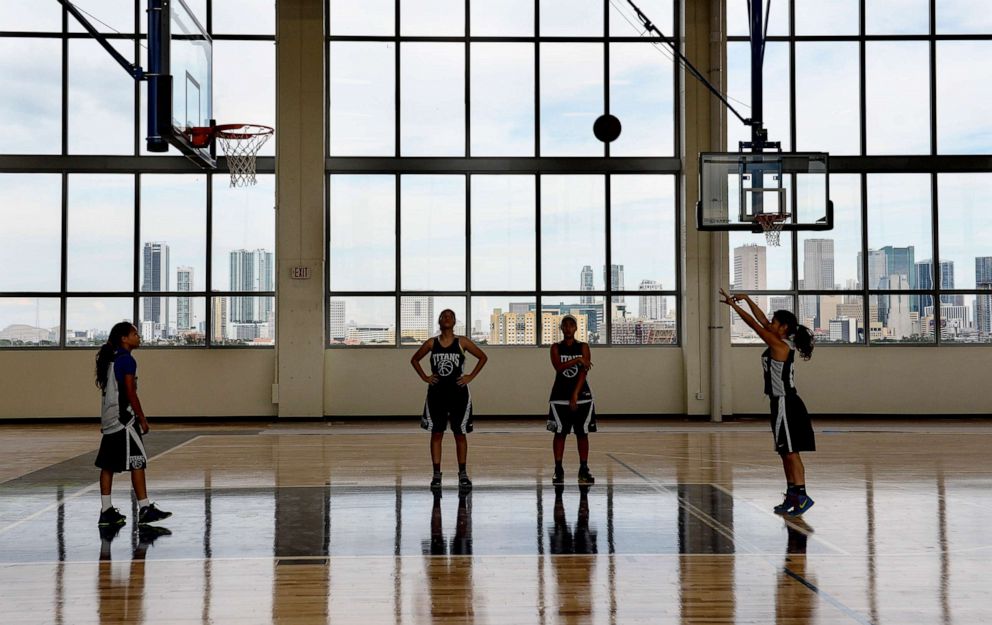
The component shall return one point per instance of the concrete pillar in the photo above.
(704, 130)
(300, 150)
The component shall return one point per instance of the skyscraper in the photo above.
(983, 303)
(901, 261)
(876, 268)
(156, 279)
(218, 327)
(651, 306)
(900, 308)
(750, 270)
(251, 270)
(586, 284)
(184, 312)
(818, 275)
(337, 315)
(924, 280)
(615, 280)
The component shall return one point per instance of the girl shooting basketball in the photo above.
(790, 422)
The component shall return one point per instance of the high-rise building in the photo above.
(877, 264)
(615, 280)
(337, 315)
(818, 275)
(818, 264)
(251, 270)
(750, 270)
(218, 326)
(900, 309)
(586, 284)
(156, 279)
(417, 318)
(901, 261)
(924, 281)
(184, 312)
(983, 303)
(779, 302)
(652, 306)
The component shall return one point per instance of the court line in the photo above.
(795, 526)
(84, 490)
(799, 578)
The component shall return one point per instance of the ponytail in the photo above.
(804, 340)
(800, 335)
(107, 351)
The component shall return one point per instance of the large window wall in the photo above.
(464, 174)
(95, 229)
(894, 91)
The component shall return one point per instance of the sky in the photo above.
(101, 109)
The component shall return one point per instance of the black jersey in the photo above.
(447, 363)
(565, 378)
(780, 376)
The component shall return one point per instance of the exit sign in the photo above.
(299, 273)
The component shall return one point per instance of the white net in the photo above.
(241, 145)
(772, 227)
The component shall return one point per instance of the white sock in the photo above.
(142, 503)
(105, 503)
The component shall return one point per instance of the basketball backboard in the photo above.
(736, 188)
(180, 80)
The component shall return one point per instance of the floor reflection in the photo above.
(450, 588)
(306, 523)
(795, 601)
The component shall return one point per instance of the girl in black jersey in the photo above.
(790, 422)
(448, 397)
(571, 404)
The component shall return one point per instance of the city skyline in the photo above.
(899, 316)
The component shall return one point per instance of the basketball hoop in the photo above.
(771, 224)
(241, 143)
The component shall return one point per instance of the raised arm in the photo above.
(771, 339)
(756, 311)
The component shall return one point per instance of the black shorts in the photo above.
(791, 425)
(448, 406)
(563, 420)
(122, 451)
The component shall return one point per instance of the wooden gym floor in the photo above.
(313, 523)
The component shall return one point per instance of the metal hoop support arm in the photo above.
(133, 70)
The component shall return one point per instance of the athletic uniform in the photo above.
(121, 448)
(561, 418)
(447, 402)
(790, 422)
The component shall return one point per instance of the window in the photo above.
(466, 196)
(881, 275)
(182, 255)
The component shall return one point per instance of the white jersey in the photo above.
(110, 413)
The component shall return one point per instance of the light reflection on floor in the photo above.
(298, 528)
